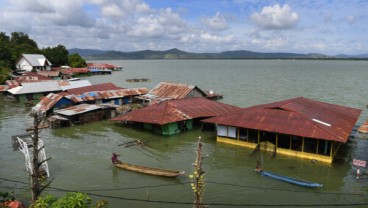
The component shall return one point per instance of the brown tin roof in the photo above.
(96, 87)
(177, 110)
(173, 90)
(47, 102)
(298, 116)
(108, 94)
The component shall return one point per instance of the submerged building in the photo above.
(174, 116)
(297, 127)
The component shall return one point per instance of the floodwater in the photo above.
(81, 154)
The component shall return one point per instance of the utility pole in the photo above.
(36, 177)
(198, 178)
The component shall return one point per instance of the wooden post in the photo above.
(36, 184)
(198, 176)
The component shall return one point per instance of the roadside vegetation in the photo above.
(18, 43)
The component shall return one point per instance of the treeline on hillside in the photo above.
(12, 47)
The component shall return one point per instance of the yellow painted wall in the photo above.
(288, 152)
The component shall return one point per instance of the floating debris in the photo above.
(138, 80)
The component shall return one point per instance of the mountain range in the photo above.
(91, 54)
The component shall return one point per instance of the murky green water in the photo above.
(81, 154)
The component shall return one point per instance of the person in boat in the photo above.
(358, 173)
(114, 158)
(258, 167)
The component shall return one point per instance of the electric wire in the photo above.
(209, 204)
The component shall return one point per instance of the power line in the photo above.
(210, 204)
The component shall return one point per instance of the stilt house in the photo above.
(297, 127)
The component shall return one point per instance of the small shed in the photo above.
(86, 113)
(174, 116)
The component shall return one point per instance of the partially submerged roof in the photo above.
(177, 110)
(78, 109)
(298, 116)
(166, 90)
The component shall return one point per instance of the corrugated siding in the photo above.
(299, 116)
(111, 94)
(178, 110)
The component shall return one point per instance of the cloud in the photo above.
(275, 17)
(217, 22)
(166, 23)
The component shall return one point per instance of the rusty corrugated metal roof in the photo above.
(78, 109)
(4, 88)
(178, 110)
(95, 87)
(109, 94)
(173, 90)
(299, 116)
(47, 102)
(49, 73)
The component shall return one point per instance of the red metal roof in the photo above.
(31, 77)
(178, 110)
(96, 87)
(173, 90)
(299, 116)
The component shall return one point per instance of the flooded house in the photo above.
(297, 127)
(31, 91)
(168, 91)
(80, 114)
(106, 93)
(103, 67)
(51, 102)
(114, 97)
(174, 116)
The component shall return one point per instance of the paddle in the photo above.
(126, 143)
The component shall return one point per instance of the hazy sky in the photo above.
(301, 26)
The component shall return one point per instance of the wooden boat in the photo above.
(295, 181)
(149, 170)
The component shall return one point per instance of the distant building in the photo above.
(297, 127)
(32, 62)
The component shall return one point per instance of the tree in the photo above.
(21, 44)
(4, 74)
(5, 50)
(76, 61)
(58, 55)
